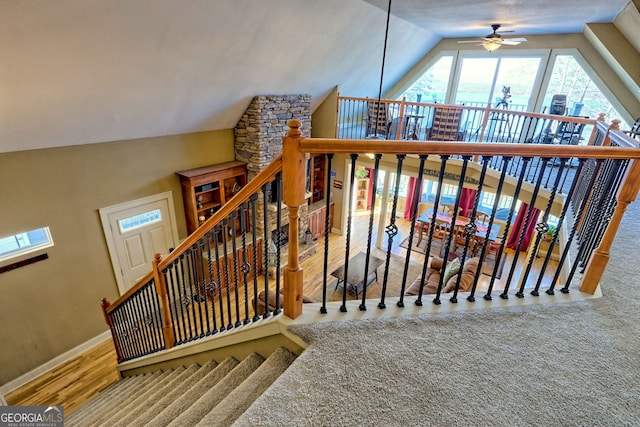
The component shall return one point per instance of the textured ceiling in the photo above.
(87, 71)
(466, 18)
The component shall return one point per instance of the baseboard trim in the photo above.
(51, 364)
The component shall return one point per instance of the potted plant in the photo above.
(548, 235)
(362, 173)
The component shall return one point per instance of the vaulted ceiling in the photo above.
(86, 71)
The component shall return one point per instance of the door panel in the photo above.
(135, 232)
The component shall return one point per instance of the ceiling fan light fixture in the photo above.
(490, 44)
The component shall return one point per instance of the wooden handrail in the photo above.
(333, 145)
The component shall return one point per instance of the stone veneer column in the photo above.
(258, 140)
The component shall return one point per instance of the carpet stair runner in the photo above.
(209, 395)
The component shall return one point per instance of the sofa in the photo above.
(432, 279)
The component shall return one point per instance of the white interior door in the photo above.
(135, 232)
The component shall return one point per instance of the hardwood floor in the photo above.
(72, 383)
(78, 380)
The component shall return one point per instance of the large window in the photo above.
(431, 87)
(481, 78)
(506, 82)
(583, 97)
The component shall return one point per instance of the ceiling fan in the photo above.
(494, 40)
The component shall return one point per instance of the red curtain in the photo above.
(411, 194)
(516, 228)
(467, 198)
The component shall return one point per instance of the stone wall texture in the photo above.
(258, 141)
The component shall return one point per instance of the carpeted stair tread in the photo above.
(242, 396)
(149, 398)
(157, 395)
(111, 417)
(118, 387)
(216, 394)
(109, 405)
(145, 417)
(187, 399)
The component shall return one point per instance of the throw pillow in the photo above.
(452, 268)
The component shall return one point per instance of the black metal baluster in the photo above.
(265, 253)
(536, 290)
(471, 230)
(595, 199)
(217, 232)
(523, 232)
(253, 199)
(158, 315)
(135, 313)
(192, 274)
(374, 179)
(414, 216)
(185, 298)
(391, 229)
(452, 229)
(201, 287)
(595, 210)
(580, 211)
(122, 334)
(227, 278)
(132, 329)
(139, 318)
(278, 181)
(352, 190)
(492, 217)
(210, 288)
(606, 212)
(148, 319)
(541, 228)
(507, 227)
(245, 268)
(327, 199)
(178, 318)
(236, 271)
(436, 203)
(149, 312)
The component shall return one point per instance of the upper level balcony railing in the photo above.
(211, 282)
(360, 118)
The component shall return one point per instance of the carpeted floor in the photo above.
(575, 364)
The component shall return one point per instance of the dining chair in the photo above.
(378, 121)
(449, 209)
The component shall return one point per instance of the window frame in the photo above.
(28, 249)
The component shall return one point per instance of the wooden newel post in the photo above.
(293, 195)
(105, 306)
(161, 289)
(600, 258)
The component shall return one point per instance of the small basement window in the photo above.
(24, 243)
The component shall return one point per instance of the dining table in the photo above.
(461, 221)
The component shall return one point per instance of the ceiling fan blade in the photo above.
(514, 41)
(469, 41)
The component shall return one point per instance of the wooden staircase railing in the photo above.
(155, 292)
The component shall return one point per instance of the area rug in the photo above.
(422, 247)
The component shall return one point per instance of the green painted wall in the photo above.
(52, 306)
